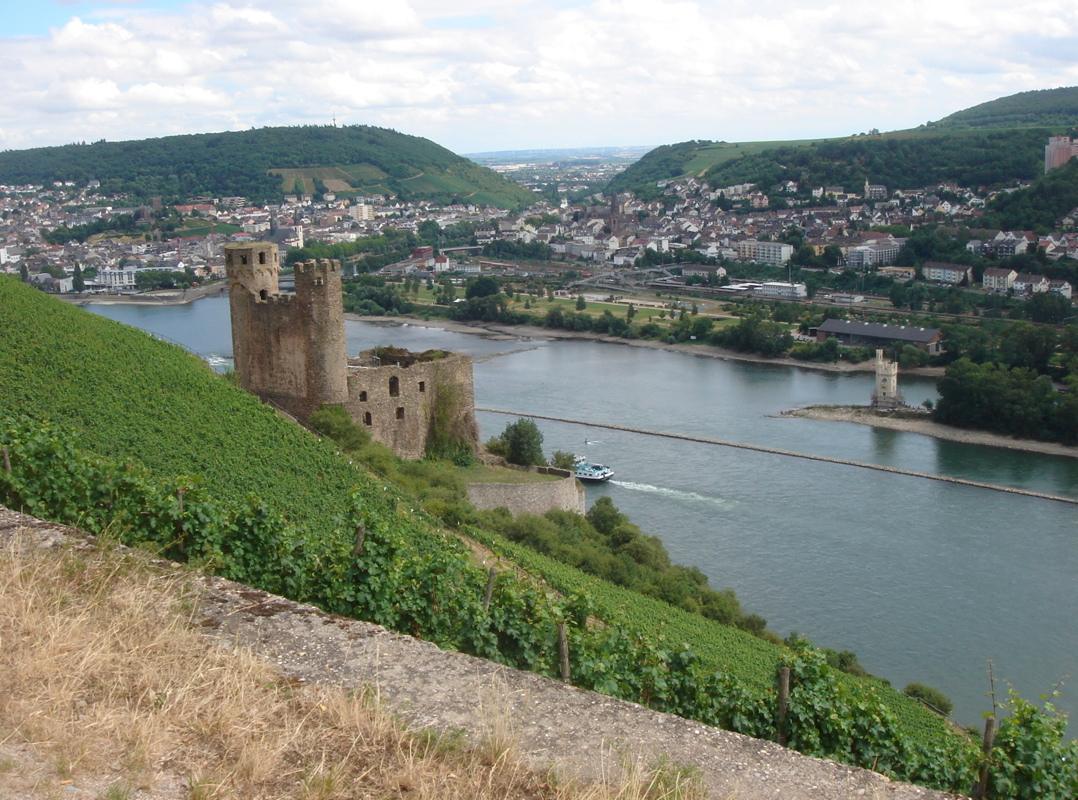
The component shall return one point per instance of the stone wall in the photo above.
(395, 402)
(565, 494)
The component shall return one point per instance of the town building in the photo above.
(782, 291)
(775, 253)
(874, 334)
(943, 272)
(1029, 283)
(998, 279)
(1058, 151)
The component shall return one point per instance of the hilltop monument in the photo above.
(290, 350)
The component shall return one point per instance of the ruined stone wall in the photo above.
(565, 494)
(395, 402)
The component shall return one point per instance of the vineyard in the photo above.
(106, 428)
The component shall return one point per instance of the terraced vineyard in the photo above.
(111, 429)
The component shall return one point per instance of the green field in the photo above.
(125, 395)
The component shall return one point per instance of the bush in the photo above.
(931, 697)
(523, 443)
(335, 423)
(562, 460)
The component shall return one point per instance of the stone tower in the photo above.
(885, 393)
(289, 349)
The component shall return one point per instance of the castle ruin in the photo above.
(290, 350)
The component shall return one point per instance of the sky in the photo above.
(487, 75)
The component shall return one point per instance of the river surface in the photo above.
(924, 580)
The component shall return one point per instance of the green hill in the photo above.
(1043, 108)
(265, 502)
(987, 145)
(266, 163)
(1040, 206)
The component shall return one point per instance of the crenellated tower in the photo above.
(289, 349)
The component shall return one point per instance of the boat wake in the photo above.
(677, 494)
(219, 362)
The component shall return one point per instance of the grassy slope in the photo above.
(129, 395)
(240, 163)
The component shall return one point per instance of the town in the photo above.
(67, 238)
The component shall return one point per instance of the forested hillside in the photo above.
(266, 163)
(989, 144)
(1040, 206)
(1044, 107)
(897, 160)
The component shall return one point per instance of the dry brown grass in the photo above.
(107, 690)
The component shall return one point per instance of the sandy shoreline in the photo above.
(498, 331)
(865, 416)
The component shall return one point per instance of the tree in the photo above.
(24, 273)
(483, 286)
(523, 443)
(580, 304)
(77, 283)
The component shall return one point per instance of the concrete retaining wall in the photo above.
(565, 494)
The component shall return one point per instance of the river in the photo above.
(924, 580)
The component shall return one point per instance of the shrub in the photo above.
(335, 423)
(931, 697)
(523, 443)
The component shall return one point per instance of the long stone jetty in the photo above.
(778, 451)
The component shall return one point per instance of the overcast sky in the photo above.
(479, 75)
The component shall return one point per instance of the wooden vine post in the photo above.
(492, 575)
(563, 651)
(784, 702)
(980, 791)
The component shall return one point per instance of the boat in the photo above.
(591, 473)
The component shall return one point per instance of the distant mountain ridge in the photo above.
(989, 144)
(266, 163)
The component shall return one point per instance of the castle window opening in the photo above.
(400, 412)
(261, 258)
(394, 387)
(263, 294)
(422, 386)
(367, 418)
(243, 259)
(363, 397)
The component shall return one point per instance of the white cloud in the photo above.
(531, 73)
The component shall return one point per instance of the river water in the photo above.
(924, 580)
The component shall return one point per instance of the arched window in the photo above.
(262, 258)
(394, 386)
(367, 418)
(363, 397)
(264, 294)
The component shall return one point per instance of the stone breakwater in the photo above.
(778, 451)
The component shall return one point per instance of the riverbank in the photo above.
(162, 297)
(862, 415)
(504, 332)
